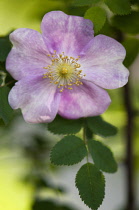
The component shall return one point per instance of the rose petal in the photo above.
(37, 99)
(28, 55)
(109, 76)
(66, 33)
(101, 61)
(83, 101)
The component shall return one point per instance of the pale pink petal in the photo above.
(65, 33)
(28, 55)
(101, 61)
(83, 101)
(36, 97)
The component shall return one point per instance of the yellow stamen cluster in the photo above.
(64, 71)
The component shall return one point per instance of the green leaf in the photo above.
(132, 49)
(127, 24)
(6, 111)
(91, 185)
(97, 15)
(100, 127)
(64, 126)
(70, 150)
(102, 156)
(77, 10)
(85, 2)
(119, 7)
(5, 47)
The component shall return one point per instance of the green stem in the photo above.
(8, 83)
(87, 134)
(85, 141)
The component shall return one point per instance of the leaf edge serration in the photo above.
(63, 164)
(104, 179)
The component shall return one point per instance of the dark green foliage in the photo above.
(102, 156)
(1, 80)
(85, 2)
(2, 66)
(70, 150)
(119, 7)
(64, 126)
(6, 111)
(128, 23)
(40, 181)
(2, 124)
(97, 15)
(77, 10)
(100, 127)
(91, 185)
(5, 47)
(108, 30)
(132, 49)
(40, 204)
(134, 2)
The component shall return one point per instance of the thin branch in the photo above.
(129, 149)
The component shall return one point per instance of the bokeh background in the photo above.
(25, 170)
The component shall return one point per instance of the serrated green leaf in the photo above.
(91, 185)
(6, 111)
(85, 2)
(70, 150)
(64, 126)
(119, 7)
(127, 24)
(97, 15)
(100, 127)
(5, 47)
(132, 49)
(102, 156)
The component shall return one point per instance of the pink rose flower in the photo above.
(64, 70)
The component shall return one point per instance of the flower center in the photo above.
(64, 71)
